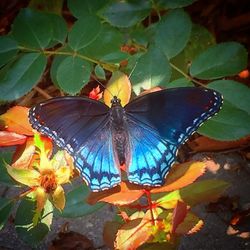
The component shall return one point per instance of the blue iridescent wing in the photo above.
(80, 126)
(159, 123)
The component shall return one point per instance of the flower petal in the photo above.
(27, 177)
(63, 175)
(58, 198)
(41, 198)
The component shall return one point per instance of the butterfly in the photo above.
(144, 135)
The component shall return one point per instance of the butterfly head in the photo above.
(116, 101)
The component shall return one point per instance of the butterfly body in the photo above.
(145, 134)
(119, 130)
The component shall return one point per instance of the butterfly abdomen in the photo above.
(120, 136)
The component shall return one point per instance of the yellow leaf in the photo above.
(119, 85)
(28, 177)
(58, 198)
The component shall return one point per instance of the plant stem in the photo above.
(150, 204)
(107, 66)
(186, 75)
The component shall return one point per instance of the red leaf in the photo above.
(121, 195)
(190, 225)
(16, 120)
(179, 215)
(11, 139)
(181, 175)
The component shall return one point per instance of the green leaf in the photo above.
(152, 69)
(225, 59)
(81, 8)
(232, 122)
(59, 28)
(22, 75)
(76, 204)
(198, 192)
(200, 40)
(181, 82)
(8, 49)
(172, 4)
(125, 14)
(99, 72)
(111, 41)
(234, 92)
(57, 60)
(32, 29)
(24, 221)
(84, 32)
(72, 74)
(5, 209)
(5, 157)
(172, 32)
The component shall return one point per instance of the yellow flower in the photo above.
(46, 178)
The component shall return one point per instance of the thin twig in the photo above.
(43, 93)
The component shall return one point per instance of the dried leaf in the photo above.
(203, 143)
(70, 241)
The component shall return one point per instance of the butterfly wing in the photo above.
(80, 126)
(159, 123)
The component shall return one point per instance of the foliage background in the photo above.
(66, 63)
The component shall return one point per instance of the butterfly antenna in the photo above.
(104, 86)
(132, 71)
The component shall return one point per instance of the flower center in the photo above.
(48, 181)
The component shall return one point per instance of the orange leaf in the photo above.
(109, 232)
(190, 225)
(119, 85)
(11, 139)
(179, 215)
(133, 234)
(181, 175)
(203, 143)
(121, 195)
(16, 120)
